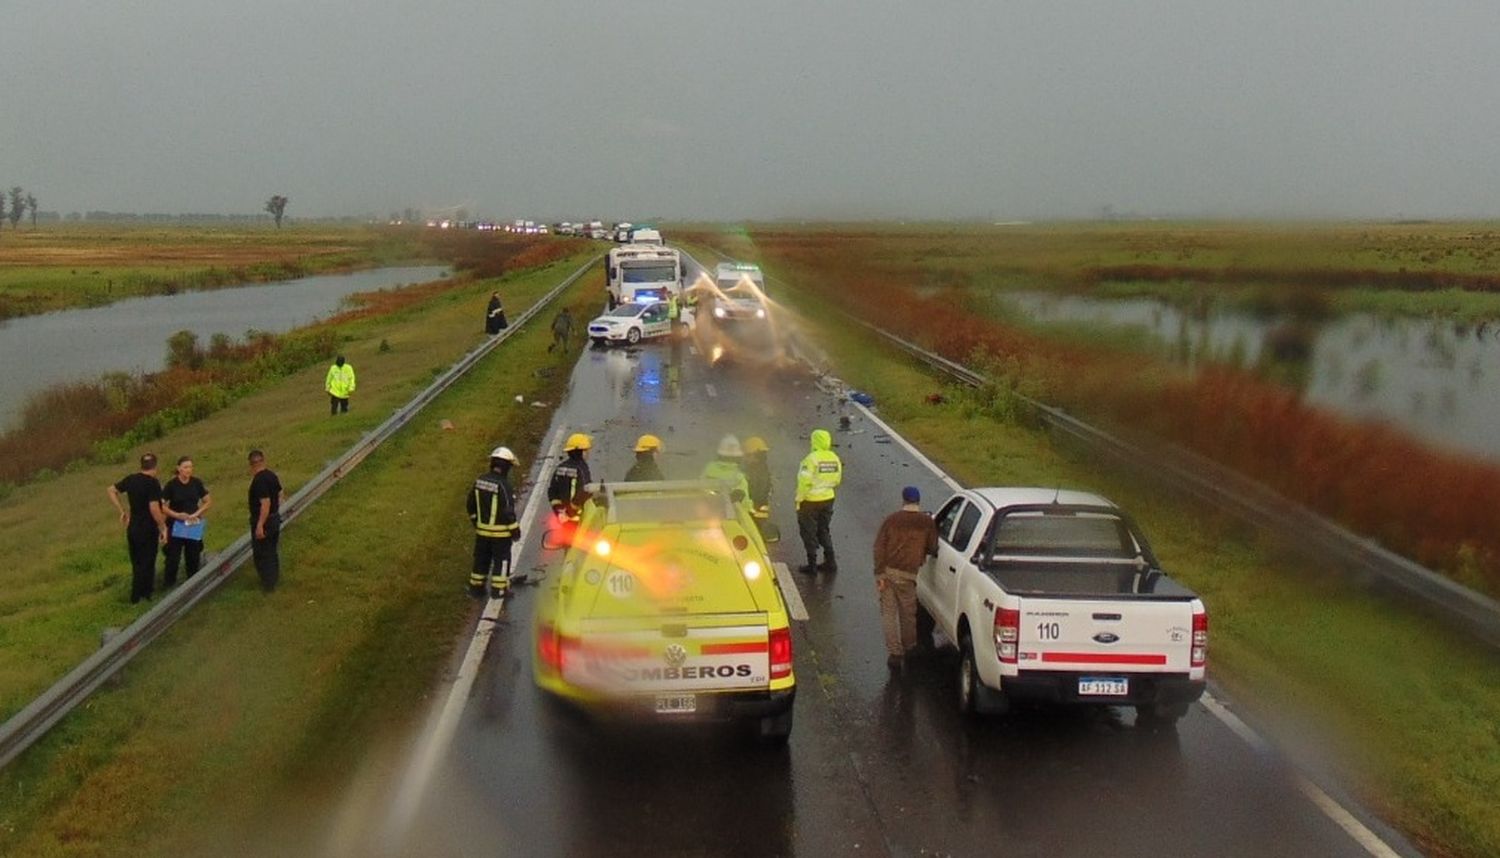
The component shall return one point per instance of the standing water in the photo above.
(131, 335)
(1436, 379)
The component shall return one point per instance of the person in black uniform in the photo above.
(758, 476)
(145, 525)
(184, 501)
(492, 511)
(567, 491)
(266, 496)
(494, 315)
(645, 467)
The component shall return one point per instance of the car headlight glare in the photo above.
(719, 313)
(752, 570)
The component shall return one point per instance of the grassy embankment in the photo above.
(253, 706)
(1434, 506)
(83, 265)
(62, 570)
(1410, 705)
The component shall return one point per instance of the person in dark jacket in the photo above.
(758, 474)
(906, 539)
(567, 491)
(494, 316)
(645, 467)
(184, 501)
(265, 499)
(492, 511)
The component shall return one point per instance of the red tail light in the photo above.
(1200, 640)
(549, 648)
(781, 653)
(1007, 634)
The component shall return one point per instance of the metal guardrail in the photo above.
(1253, 503)
(31, 723)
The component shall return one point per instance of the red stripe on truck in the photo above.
(1102, 658)
(731, 648)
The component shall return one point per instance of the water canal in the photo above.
(1434, 378)
(131, 335)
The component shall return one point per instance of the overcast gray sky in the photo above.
(729, 110)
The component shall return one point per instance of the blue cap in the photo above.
(911, 494)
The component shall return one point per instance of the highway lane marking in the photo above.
(907, 445)
(441, 730)
(1330, 807)
(789, 592)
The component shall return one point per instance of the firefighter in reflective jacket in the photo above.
(567, 490)
(645, 467)
(817, 479)
(758, 476)
(726, 468)
(492, 509)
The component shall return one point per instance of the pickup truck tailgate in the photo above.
(1124, 636)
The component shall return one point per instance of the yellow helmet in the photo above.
(647, 444)
(756, 444)
(578, 441)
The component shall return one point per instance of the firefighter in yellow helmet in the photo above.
(567, 491)
(645, 467)
(758, 476)
(492, 510)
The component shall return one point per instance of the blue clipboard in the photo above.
(183, 530)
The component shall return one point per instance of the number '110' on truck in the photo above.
(1056, 596)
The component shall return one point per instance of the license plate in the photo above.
(1097, 686)
(676, 703)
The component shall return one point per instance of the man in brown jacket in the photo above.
(906, 539)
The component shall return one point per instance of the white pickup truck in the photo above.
(1055, 596)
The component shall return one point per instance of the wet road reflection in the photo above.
(878, 764)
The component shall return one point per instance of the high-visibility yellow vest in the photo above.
(340, 380)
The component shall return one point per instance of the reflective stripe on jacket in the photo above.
(821, 471)
(492, 507)
(340, 381)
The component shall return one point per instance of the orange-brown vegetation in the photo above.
(1439, 508)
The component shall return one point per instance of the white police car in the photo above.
(632, 323)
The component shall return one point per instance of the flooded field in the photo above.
(1435, 378)
(131, 335)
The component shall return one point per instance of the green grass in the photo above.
(1410, 706)
(63, 573)
(77, 265)
(253, 706)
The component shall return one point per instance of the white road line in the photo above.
(789, 592)
(441, 728)
(916, 454)
(1337, 813)
(712, 391)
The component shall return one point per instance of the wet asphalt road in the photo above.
(877, 764)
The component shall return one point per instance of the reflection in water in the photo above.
(1408, 372)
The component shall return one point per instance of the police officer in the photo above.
(492, 510)
(566, 491)
(758, 476)
(645, 467)
(817, 479)
(726, 467)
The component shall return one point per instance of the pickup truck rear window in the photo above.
(1064, 536)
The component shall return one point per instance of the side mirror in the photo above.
(770, 533)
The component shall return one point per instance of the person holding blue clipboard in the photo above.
(184, 499)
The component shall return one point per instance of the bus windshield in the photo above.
(652, 273)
